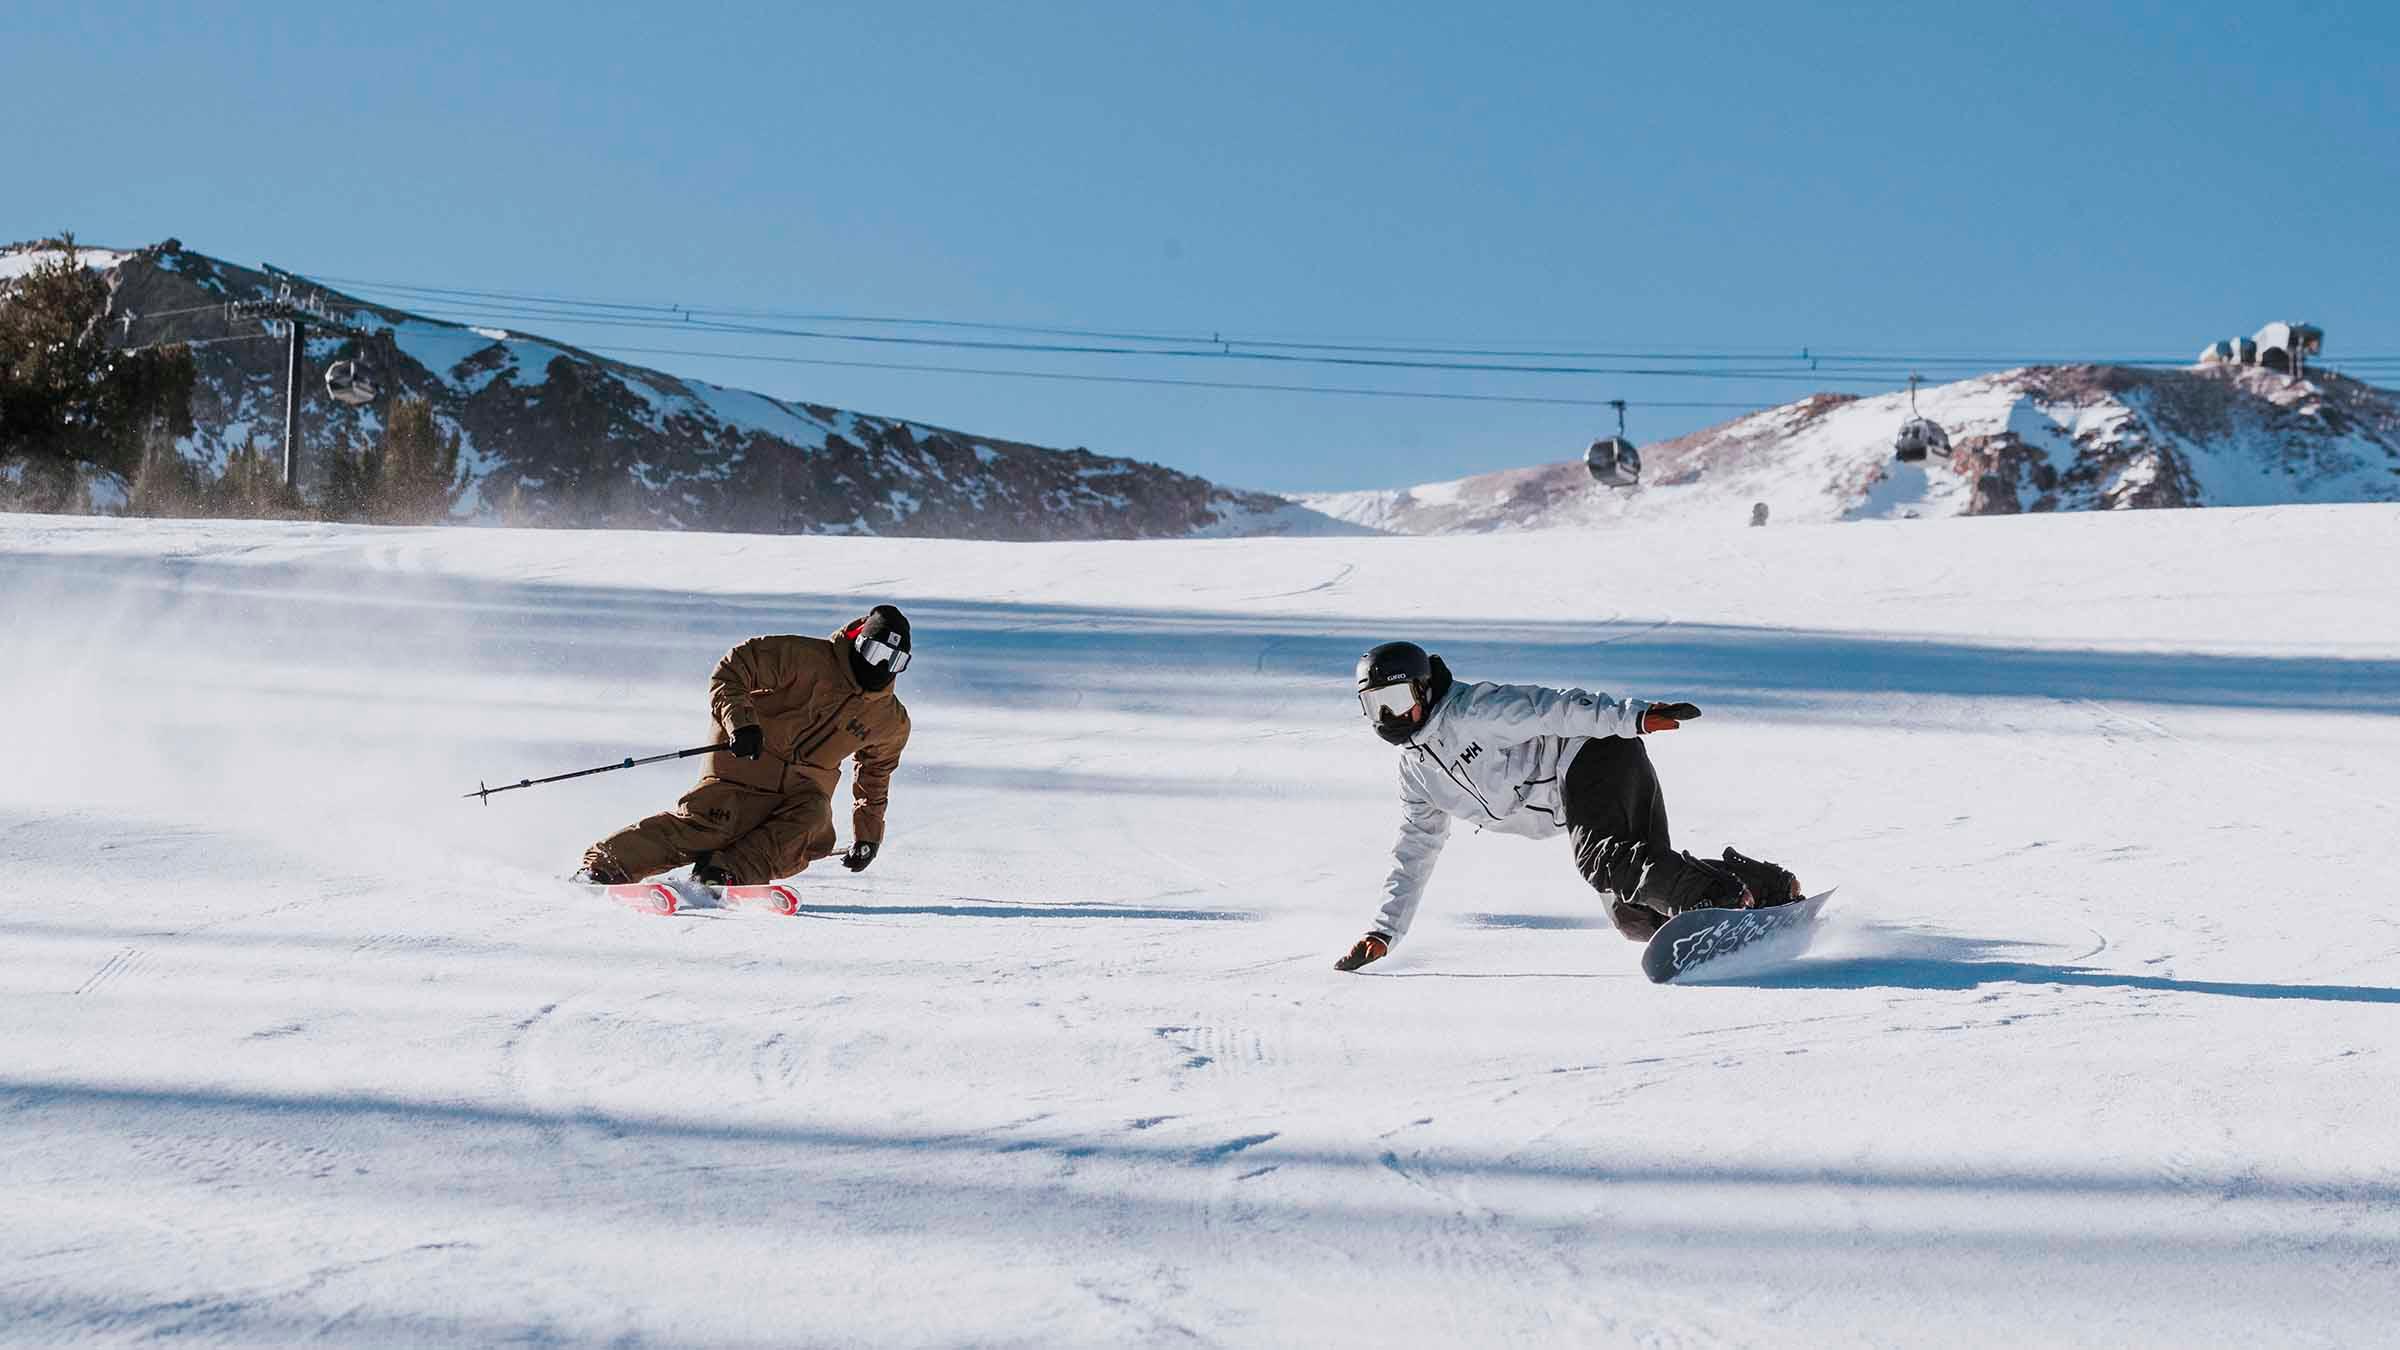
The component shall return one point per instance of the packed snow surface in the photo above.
(2096, 1047)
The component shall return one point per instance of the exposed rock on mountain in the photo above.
(2044, 438)
(556, 435)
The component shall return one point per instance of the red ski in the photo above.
(650, 897)
(775, 896)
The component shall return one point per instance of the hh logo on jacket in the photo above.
(1467, 756)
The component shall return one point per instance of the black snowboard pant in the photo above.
(1617, 823)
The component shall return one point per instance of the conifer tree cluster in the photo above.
(74, 407)
(413, 478)
(71, 403)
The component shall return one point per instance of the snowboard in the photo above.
(1696, 937)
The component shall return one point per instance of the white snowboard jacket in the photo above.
(1492, 755)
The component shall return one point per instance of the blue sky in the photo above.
(2004, 180)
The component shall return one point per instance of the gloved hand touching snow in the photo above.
(1667, 716)
(860, 853)
(1372, 947)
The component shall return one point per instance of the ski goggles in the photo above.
(877, 652)
(1392, 700)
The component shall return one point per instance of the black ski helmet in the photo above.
(1396, 663)
(885, 624)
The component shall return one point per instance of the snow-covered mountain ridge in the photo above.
(2039, 438)
(558, 435)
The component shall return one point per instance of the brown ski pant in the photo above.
(755, 835)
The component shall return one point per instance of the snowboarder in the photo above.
(790, 710)
(1533, 761)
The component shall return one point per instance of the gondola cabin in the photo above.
(1920, 436)
(1614, 462)
(350, 383)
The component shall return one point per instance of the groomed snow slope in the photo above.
(2097, 1048)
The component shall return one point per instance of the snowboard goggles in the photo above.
(877, 652)
(1392, 700)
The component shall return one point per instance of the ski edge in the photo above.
(775, 897)
(648, 897)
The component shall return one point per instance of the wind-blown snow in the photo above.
(2095, 1048)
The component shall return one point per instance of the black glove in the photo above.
(1664, 716)
(748, 742)
(861, 852)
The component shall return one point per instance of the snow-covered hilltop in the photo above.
(2043, 438)
(557, 435)
(553, 434)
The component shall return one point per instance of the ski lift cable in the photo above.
(692, 315)
(475, 337)
(1088, 378)
(203, 342)
(1213, 353)
(562, 307)
(177, 313)
(681, 314)
(618, 349)
(710, 318)
(481, 338)
(1237, 349)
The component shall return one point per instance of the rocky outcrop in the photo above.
(2051, 438)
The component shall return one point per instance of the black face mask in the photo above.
(873, 679)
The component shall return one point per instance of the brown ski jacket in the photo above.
(801, 695)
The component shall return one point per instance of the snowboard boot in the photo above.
(1372, 947)
(598, 871)
(1673, 883)
(1634, 921)
(1768, 884)
(709, 874)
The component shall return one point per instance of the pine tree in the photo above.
(417, 479)
(351, 474)
(166, 484)
(70, 403)
(251, 487)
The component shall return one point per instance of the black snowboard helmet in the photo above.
(1397, 688)
(877, 647)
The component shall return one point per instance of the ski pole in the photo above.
(486, 792)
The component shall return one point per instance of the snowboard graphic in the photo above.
(650, 897)
(1702, 935)
(674, 895)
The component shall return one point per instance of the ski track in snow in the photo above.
(2090, 1049)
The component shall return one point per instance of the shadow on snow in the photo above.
(1014, 655)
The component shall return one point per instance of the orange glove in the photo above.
(1668, 716)
(1372, 947)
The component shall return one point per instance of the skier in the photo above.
(791, 709)
(1534, 761)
